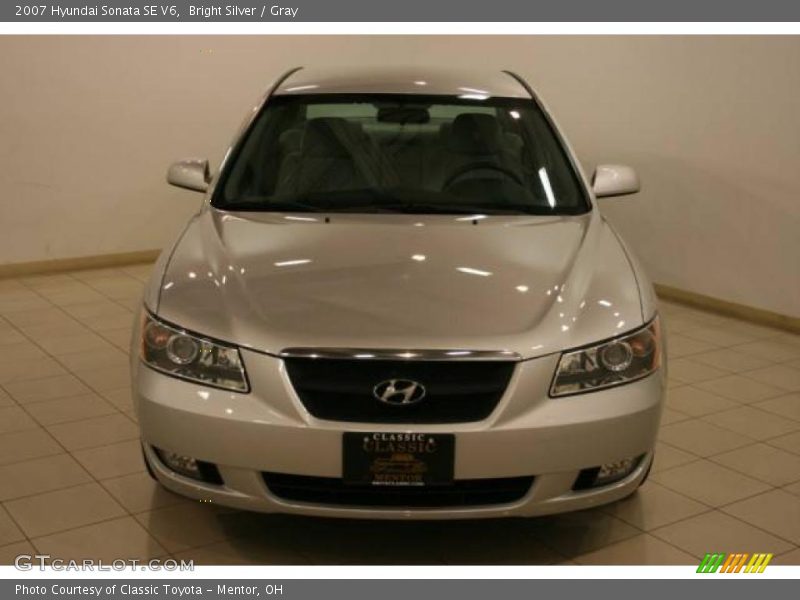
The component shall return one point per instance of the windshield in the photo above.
(371, 153)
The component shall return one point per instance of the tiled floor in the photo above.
(726, 476)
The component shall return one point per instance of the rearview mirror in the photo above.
(190, 173)
(614, 180)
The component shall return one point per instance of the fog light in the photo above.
(606, 474)
(611, 472)
(185, 465)
(190, 467)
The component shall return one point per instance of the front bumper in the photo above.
(269, 430)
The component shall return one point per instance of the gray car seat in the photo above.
(474, 138)
(334, 155)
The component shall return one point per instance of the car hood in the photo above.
(272, 281)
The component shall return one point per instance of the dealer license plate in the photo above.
(398, 459)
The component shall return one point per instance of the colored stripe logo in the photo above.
(734, 563)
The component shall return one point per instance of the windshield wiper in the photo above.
(359, 201)
(453, 209)
(284, 206)
(372, 203)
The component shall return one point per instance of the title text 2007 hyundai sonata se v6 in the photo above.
(398, 299)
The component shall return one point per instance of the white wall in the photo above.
(89, 124)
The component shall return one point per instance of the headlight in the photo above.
(614, 362)
(188, 356)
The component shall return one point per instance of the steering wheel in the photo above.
(482, 165)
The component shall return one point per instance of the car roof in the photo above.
(401, 80)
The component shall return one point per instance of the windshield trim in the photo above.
(563, 144)
(217, 202)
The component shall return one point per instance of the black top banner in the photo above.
(253, 11)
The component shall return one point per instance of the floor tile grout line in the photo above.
(687, 333)
(75, 374)
(716, 454)
(151, 533)
(704, 418)
(73, 457)
(77, 527)
(708, 508)
(726, 428)
(771, 488)
(735, 347)
(754, 526)
(563, 555)
(683, 494)
(751, 441)
(699, 389)
(775, 414)
(663, 541)
(67, 451)
(70, 486)
(91, 476)
(709, 458)
(54, 306)
(703, 316)
(750, 497)
(62, 308)
(718, 347)
(779, 392)
(72, 421)
(739, 347)
(696, 456)
(790, 550)
(767, 442)
(16, 523)
(730, 371)
(89, 392)
(654, 531)
(116, 300)
(95, 481)
(694, 460)
(82, 448)
(750, 475)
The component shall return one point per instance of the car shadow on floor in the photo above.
(266, 539)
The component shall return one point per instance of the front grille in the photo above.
(342, 389)
(332, 491)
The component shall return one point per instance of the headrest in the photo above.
(475, 133)
(330, 137)
(290, 140)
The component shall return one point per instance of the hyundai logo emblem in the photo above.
(399, 392)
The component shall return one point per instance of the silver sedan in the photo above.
(399, 300)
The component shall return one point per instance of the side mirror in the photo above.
(614, 180)
(190, 173)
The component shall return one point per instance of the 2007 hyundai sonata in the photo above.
(398, 299)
